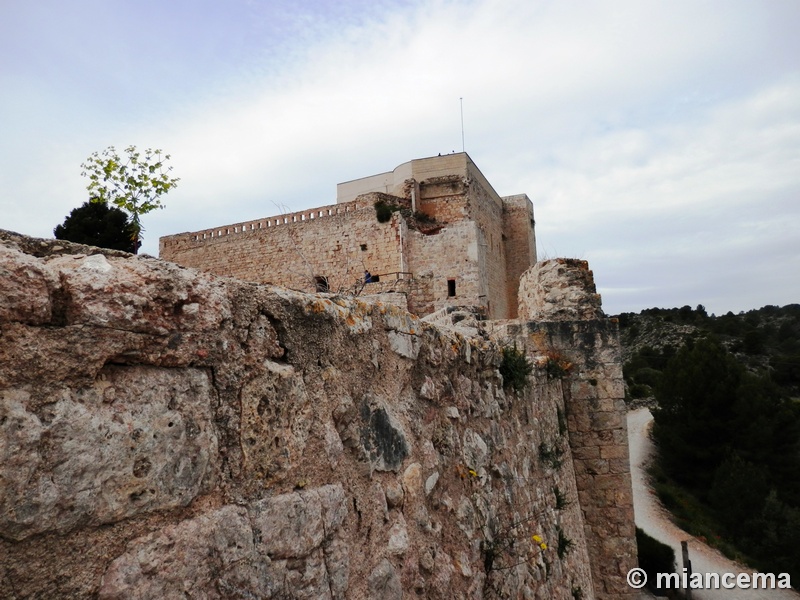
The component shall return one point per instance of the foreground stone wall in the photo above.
(165, 433)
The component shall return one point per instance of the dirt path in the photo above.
(654, 520)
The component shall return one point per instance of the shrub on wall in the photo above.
(557, 365)
(383, 211)
(515, 368)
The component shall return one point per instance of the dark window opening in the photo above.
(321, 283)
(363, 247)
(376, 278)
(451, 288)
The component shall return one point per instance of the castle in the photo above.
(211, 437)
(448, 238)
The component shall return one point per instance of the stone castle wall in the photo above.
(341, 246)
(486, 209)
(450, 254)
(336, 242)
(167, 433)
(563, 322)
(478, 245)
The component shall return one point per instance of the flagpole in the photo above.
(463, 147)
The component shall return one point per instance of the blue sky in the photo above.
(658, 140)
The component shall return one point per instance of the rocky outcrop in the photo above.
(165, 433)
(560, 289)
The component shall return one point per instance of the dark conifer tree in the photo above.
(97, 224)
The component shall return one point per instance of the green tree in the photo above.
(97, 224)
(738, 492)
(654, 557)
(692, 425)
(134, 182)
(754, 342)
(710, 408)
(778, 543)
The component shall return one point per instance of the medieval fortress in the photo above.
(467, 246)
(169, 433)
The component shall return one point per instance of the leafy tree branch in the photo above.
(134, 182)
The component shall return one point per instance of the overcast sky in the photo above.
(658, 140)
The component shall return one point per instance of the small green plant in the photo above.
(383, 211)
(550, 456)
(564, 543)
(515, 368)
(561, 499)
(505, 548)
(557, 365)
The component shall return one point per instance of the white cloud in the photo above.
(655, 138)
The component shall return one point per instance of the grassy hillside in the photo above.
(765, 341)
(726, 406)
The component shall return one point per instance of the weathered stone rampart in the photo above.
(562, 322)
(166, 433)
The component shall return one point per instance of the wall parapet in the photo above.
(264, 224)
(258, 224)
(563, 326)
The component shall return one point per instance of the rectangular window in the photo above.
(451, 288)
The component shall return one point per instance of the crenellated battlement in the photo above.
(301, 216)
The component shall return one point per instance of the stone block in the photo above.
(578, 420)
(137, 440)
(382, 437)
(384, 582)
(607, 420)
(619, 466)
(586, 453)
(592, 467)
(289, 525)
(220, 542)
(618, 452)
(25, 294)
(583, 390)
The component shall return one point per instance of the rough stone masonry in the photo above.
(168, 434)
